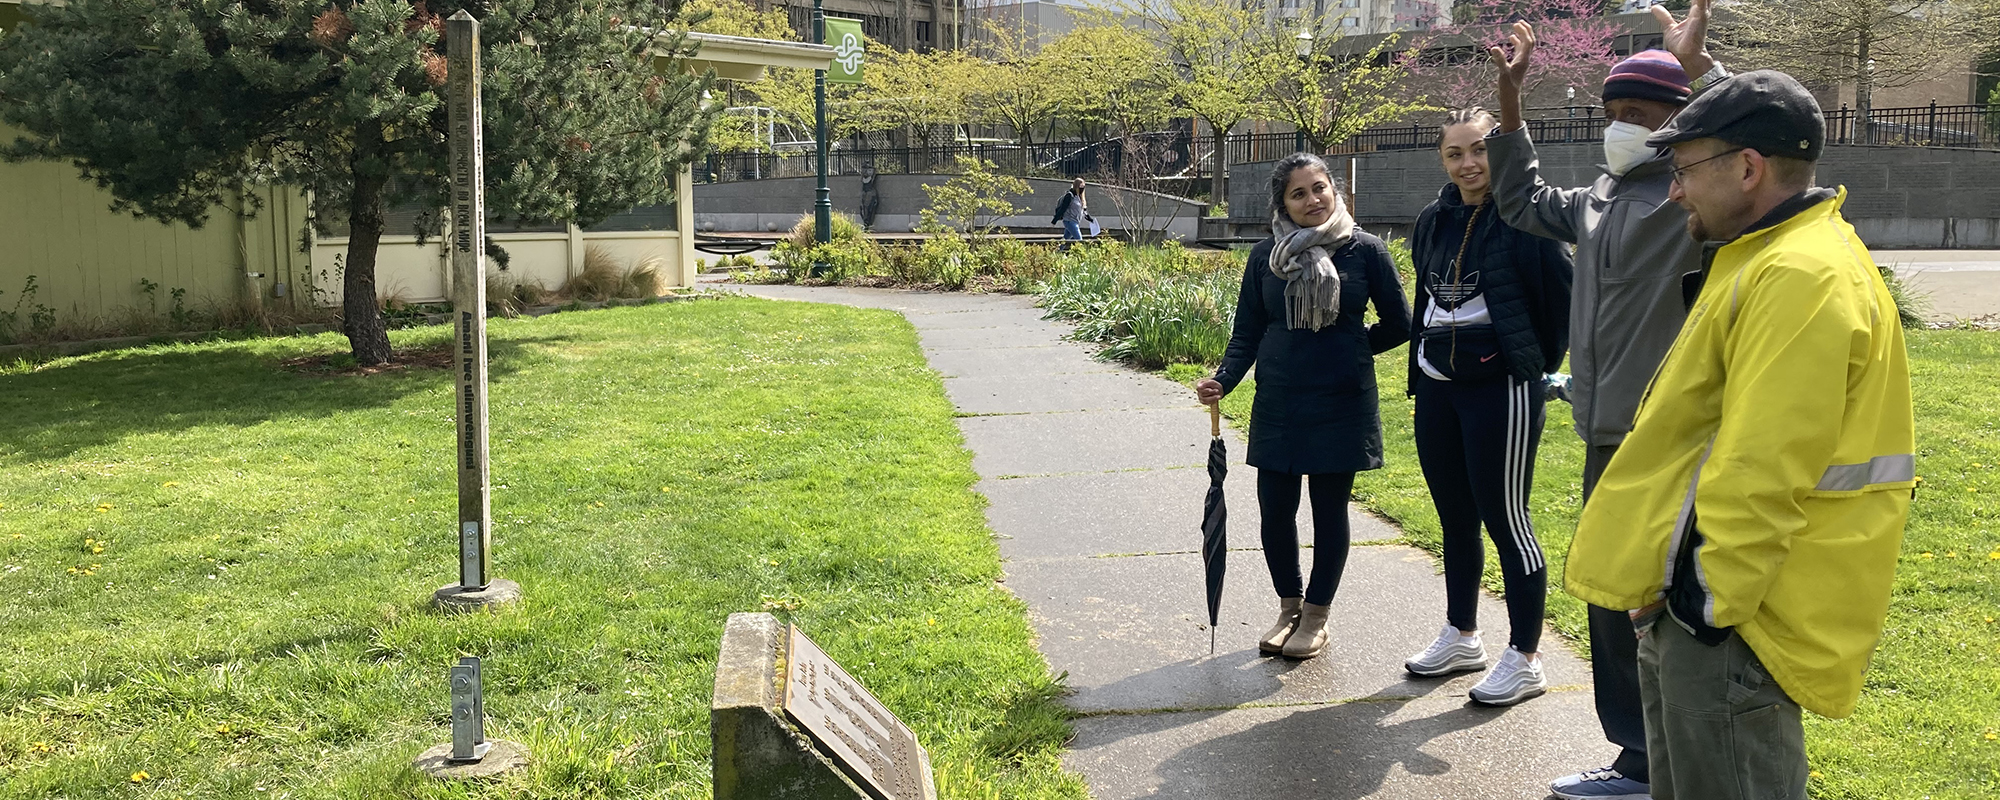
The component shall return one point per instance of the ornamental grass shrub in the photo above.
(844, 229)
(1154, 306)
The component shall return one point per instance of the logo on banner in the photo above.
(849, 53)
(850, 50)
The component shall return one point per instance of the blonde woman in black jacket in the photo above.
(1492, 316)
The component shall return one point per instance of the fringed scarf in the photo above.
(1303, 257)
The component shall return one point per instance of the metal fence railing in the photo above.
(1968, 126)
(1178, 158)
(1155, 153)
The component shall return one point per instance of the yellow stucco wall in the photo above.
(419, 273)
(89, 261)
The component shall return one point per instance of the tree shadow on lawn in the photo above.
(56, 412)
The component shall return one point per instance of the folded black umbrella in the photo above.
(1215, 522)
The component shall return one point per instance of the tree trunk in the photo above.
(903, 23)
(1864, 89)
(1218, 164)
(360, 312)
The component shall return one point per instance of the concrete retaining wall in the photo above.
(1898, 197)
(776, 204)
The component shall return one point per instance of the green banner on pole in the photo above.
(850, 49)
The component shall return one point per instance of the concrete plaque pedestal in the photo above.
(788, 722)
(505, 757)
(453, 598)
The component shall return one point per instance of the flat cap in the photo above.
(1765, 110)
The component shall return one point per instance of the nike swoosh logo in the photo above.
(1489, 358)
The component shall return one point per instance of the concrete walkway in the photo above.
(1960, 284)
(1096, 481)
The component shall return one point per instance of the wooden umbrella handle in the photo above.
(1215, 420)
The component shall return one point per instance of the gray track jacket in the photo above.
(1632, 251)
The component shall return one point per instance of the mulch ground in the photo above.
(342, 364)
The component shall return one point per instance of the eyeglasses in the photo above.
(1680, 171)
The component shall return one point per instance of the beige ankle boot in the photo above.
(1310, 637)
(1273, 642)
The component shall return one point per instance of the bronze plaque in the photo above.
(850, 725)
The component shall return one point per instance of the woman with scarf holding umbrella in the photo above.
(1299, 320)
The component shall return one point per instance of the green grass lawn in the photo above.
(217, 571)
(1928, 725)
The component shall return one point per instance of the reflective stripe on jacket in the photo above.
(1781, 420)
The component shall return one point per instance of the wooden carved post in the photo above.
(467, 242)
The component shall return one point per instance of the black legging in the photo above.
(1476, 442)
(1278, 500)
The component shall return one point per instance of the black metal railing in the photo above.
(1967, 126)
(1156, 153)
(1188, 158)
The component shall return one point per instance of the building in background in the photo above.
(919, 25)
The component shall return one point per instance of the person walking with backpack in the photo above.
(1632, 257)
(1492, 317)
(1299, 320)
(1072, 211)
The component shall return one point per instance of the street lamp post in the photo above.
(823, 201)
(1303, 45)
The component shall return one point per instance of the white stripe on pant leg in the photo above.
(1527, 475)
(1515, 434)
(1531, 548)
(1517, 505)
(1507, 463)
(1510, 471)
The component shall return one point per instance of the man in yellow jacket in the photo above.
(1752, 518)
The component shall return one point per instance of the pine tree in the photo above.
(176, 105)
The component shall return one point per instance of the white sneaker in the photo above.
(1513, 680)
(1450, 653)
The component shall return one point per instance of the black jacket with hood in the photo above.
(1526, 281)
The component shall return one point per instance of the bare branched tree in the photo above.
(1868, 43)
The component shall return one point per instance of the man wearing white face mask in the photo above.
(1633, 257)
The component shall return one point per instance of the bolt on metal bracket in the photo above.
(468, 713)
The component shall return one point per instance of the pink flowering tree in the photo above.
(1573, 47)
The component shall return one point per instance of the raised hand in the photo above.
(1513, 72)
(1514, 69)
(1687, 39)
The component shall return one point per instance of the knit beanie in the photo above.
(1648, 75)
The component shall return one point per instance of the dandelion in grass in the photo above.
(170, 484)
(39, 747)
(141, 777)
(1926, 556)
(1815, 774)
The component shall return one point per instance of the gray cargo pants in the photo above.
(1718, 726)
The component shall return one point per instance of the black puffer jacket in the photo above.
(1317, 410)
(1526, 282)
